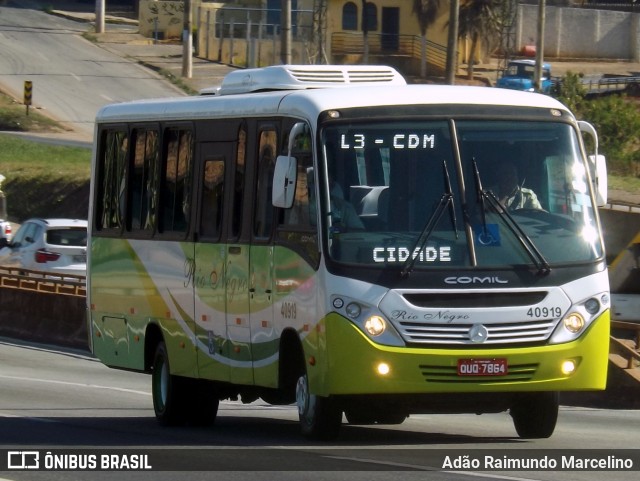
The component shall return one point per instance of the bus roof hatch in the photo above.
(298, 77)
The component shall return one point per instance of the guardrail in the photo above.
(613, 84)
(623, 207)
(30, 280)
(624, 352)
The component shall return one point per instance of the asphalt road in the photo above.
(72, 77)
(67, 402)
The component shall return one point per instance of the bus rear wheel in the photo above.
(178, 400)
(168, 397)
(320, 417)
(535, 414)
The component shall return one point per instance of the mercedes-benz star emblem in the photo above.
(478, 333)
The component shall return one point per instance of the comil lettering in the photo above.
(401, 254)
(475, 280)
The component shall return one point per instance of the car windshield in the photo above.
(524, 71)
(519, 194)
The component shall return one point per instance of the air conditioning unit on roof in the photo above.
(299, 77)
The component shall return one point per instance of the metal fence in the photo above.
(388, 46)
(248, 37)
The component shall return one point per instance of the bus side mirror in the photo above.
(597, 165)
(286, 171)
(599, 178)
(284, 181)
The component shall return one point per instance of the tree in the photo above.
(479, 20)
(426, 11)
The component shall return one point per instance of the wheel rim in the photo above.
(306, 401)
(302, 396)
(161, 381)
(164, 384)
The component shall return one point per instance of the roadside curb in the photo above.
(91, 18)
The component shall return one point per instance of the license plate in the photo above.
(482, 367)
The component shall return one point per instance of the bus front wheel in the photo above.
(535, 414)
(319, 416)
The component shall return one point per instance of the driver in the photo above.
(510, 192)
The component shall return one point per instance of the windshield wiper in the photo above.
(527, 243)
(446, 201)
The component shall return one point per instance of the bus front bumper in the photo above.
(356, 365)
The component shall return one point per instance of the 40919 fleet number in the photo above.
(288, 310)
(543, 312)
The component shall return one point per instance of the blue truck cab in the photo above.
(520, 75)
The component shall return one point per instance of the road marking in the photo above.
(42, 420)
(76, 384)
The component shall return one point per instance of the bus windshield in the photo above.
(440, 193)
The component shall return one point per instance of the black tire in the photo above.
(535, 415)
(203, 407)
(320, 417)
(168, 391)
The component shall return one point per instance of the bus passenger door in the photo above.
(236, 276)
(264, 338)
(214, 161)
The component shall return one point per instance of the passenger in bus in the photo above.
(510, 191)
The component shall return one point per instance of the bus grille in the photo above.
(499, 333)
(449, 374)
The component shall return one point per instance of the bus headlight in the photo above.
(371, 322)
(579, 317)
(375, 325)
(574, 322)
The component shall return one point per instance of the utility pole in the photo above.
(100, 4)
(452, 42)
(187, 42)
(365, 33)
(285, 33)
(539, 46)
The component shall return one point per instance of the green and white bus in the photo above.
(333, 237)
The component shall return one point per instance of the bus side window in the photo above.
(112, 181)
(142, 180)
(303, 213)
(212, 198)
(263, 217)
(239, 174)
(298, 225)
(176, 182)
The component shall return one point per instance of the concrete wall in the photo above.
(164, 18)
(581, 33)
(42, 317)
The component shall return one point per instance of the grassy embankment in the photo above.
(42, 180)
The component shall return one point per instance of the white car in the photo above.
(57, 246)
(5, 232)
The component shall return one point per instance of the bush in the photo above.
(615, 117)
